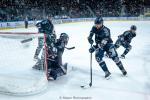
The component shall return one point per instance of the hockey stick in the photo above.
(31, 38)
(90, 84)
(26, 40)
(70, 48)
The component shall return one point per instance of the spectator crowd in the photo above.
(14, 10)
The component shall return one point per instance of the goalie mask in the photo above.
(64, 37)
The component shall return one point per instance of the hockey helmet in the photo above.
(64, 37)
(133, 27)
(98, 20)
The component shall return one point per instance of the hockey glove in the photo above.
(90, 40)
(121, 39)
(92, 49)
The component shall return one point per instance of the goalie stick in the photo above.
(70, 48)
(31, 38)
(26, 40)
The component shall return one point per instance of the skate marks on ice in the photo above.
(117, 82)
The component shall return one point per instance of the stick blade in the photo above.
(26, 40)
(85, 86)
(73, 48)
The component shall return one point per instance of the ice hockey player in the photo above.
(61, 44)
(125, 40)
(55, 52)
(26, 22)
(104, 44)
(46, 27)
(55, 48)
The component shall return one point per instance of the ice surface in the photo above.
(16, 61)
(136, 86)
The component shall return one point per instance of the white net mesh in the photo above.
(16, 61)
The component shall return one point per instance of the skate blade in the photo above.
(107, 78)
(50, 79)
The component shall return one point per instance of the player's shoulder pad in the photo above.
(106, 30)
(134, 34)
(126, 33)
(38, 24)
(93, 29)
(44, 21)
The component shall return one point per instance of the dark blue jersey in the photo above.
(101, 34)
(45, 26)
(128, 36)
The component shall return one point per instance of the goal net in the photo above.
(17, 77)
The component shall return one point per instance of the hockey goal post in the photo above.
(16, 61)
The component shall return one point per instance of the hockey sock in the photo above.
(119, 64)
(103, 66)
(127, 50)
